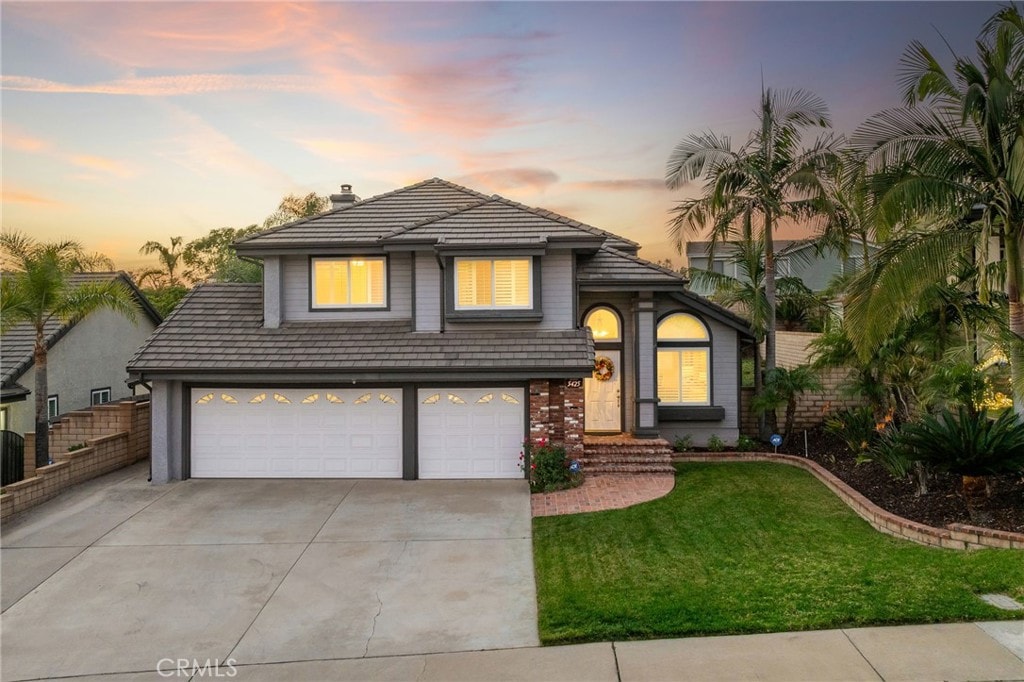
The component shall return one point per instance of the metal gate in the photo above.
(12, 457)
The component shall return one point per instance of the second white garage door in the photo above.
(471, 432)
(296, 433)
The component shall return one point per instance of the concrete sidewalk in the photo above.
(962, 651)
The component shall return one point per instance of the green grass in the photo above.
(749, 547)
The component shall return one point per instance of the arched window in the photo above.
(684, 361)
(604, 325)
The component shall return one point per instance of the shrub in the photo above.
(683, 444)
(855, 426)
(890, 451)
(969, 443)
(715, 444)
(76, 446)
(746, 444)
(551, 469)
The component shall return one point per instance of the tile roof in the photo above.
(610, 265)
(218, 327)
(368, 220)
(18, 343)
(428, 211)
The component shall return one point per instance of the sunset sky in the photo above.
(125, 122)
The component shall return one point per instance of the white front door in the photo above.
(602, 406)
(471, 432)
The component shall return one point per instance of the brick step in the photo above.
(627, 451)
(624, 458)
(629, 469)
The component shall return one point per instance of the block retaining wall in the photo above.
(115, 435)
(954, 536)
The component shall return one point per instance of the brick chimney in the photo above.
(344, 198)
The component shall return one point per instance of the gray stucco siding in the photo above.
(93, 354)
(295, 292)
(428, 293)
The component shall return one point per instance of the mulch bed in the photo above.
(943, 504)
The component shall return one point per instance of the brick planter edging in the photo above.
(954, 536)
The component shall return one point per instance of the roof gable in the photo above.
(430, 211)
(18, 342)
(368, 220)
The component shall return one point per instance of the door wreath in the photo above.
(603, 368)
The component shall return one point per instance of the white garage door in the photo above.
(471, 432)
(296, 433)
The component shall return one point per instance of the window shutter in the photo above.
(694, 380)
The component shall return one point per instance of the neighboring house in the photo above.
(85, 359)
(426, 333)
(794, 258)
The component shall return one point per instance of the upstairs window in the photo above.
(354, 282)
(493, 283)
(684, 361)
(98, 396)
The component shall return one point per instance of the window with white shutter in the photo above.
(491, 283)
(684, 361)
(349, 282)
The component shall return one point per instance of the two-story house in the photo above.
(426, 333)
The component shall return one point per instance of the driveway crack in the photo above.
(380, 603)
(373, 628)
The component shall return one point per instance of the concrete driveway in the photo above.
(118, 574)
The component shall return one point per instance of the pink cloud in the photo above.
(11, 195)
(502, 179)
(624, 185)
(464, 87)
(103, 164)
(166, 86)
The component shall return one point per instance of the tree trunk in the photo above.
(790, 418)
(1014, 275)
(42, 415)
(769, 294)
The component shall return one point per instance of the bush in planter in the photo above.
(746, 444)
(550, 468)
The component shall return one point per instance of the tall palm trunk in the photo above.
(42, 414)
(1014, 269)
(769, 294)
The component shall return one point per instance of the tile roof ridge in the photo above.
(565, 220)
(434, 218)
(644, 262)
(363, 202)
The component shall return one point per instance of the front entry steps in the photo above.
(624, 454)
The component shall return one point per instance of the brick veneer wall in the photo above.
(115, 435)
(556, 413)
(953, 536)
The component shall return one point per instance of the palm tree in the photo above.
(169, 257)
(847, 208)
(750, 189)
(745, 292)
(951, 170)
(783, 387)
(37, 289)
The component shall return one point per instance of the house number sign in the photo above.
(574, 383)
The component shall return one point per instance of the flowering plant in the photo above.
(549, 467)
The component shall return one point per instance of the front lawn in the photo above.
(749, 547)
